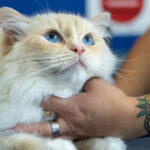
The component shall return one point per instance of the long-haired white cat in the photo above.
(49, 54)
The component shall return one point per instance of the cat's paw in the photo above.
(23, 142)
(60, 144)
(109, 143)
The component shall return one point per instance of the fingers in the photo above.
(90, 84)
(41, 129)
(44, 128)
(55, 104)
(60, 105)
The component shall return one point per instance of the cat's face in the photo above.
(55, 43)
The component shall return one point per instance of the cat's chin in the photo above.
(80, 63)
(72, 72)
(75, 67)
(70, 69)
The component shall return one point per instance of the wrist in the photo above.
(130, 126)
(137, 124)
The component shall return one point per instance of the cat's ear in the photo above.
(102, 20)
(13, 23)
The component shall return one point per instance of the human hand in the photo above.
(101, 110)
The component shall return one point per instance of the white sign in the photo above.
(129, 17)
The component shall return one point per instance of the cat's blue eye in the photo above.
(88, 40)
(53, 37)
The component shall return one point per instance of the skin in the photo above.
(103, 109)
(136, 70)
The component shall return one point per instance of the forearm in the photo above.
(136, 69)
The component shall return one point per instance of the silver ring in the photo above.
(55, 128)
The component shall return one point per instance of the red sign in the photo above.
(123, 10)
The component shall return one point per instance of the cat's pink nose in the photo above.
(78, 49)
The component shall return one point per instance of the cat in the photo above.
(49, 54)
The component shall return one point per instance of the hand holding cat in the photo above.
(102, 110)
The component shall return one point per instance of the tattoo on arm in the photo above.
(144, 105)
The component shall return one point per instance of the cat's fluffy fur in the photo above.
(32, 68)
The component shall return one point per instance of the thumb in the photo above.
(55, 104)
(91, 83)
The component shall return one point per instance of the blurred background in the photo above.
(130, 18)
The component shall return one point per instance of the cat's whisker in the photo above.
(134, 71)
(124, 79)
(35, 72)
(40, 4)
(24, 75)
(17, 78)
(118, 68)
(116, 73)
(47, 5)
(38, 60)
(119, 75)
(27, 48)
(126, 60)
(30, 73)
(37, 51)
(30, 60)
(44, 69)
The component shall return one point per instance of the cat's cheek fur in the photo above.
(102, 64)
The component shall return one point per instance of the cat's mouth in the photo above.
(78, 62)
(75, 65)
